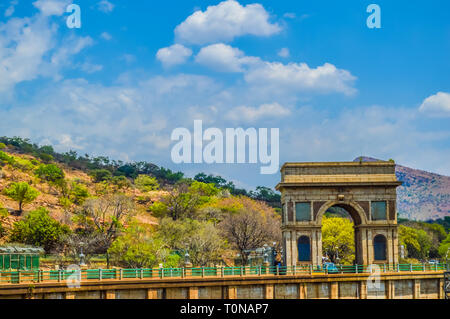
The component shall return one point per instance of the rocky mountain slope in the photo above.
(423, 195)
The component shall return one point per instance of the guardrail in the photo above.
(38, 276)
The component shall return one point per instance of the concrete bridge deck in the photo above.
(388, 285)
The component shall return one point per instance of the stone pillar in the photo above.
(152, 293)
(288, 252)
(302, 291)
(294, 249)
(370, 258)
(416, 289)
(319, 247)
(110, 294)
(363, 257)
(363, 289)
(268, 292)
(334, 290)
(313, 247)
(193, 293)
(231, 292)
(441, 293)
(390, 289)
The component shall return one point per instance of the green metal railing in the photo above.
(36, 276)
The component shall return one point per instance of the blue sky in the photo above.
(136, 70)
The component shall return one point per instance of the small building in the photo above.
(19, 258)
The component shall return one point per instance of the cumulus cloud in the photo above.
(293, 76)
(173, 55)
(284, 53)
(29, 46)
(224, 22)
(105, 6)
(106, 36)
(52, 7)
(253, 114)
(275, 75)
(10, 10)
(224, 58)
(436, 105)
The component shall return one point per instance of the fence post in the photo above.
(398, 267)
(203, 272)
(59, 275)
(120, 273)
(278, 270)
(294, 267)
(18, 276)
(242, 271)
(357, 268)
(410, 268)
(423, 266)
(222, 272)
(310, 269)
(436, 267)
(142, 273)
(100, 274)
(384, 267)
(39, 275)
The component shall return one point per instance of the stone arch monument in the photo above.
(366, 190)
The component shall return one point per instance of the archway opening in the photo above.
(338, 235)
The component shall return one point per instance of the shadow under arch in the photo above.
(356, 212)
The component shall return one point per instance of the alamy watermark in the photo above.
(215, 146)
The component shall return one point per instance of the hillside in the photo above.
(423, 195)
(23, 171)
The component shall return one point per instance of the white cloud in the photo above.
(29, 47)
(293, 76)
(91, 68)
(290, 15)
(224, 22)
(106, 36)
(10, 10)
(173, 55)
(105, 6)
(224, 58)
(284, 53)
(437, 105)
(51, 7)
(253, 114)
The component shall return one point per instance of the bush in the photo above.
(100, 175)
(146, 183)
(50, 173)
(39, 229)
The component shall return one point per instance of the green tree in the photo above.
(51, 173)
(78, 193)
(39, 229)
(22, 193)
(184, 201)
(100, 175)
(3, 215)
(2, 146)
(138, 247)
(338, 239)
(416, 241)
(121, 182)
(146, 183)
(444, 248)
